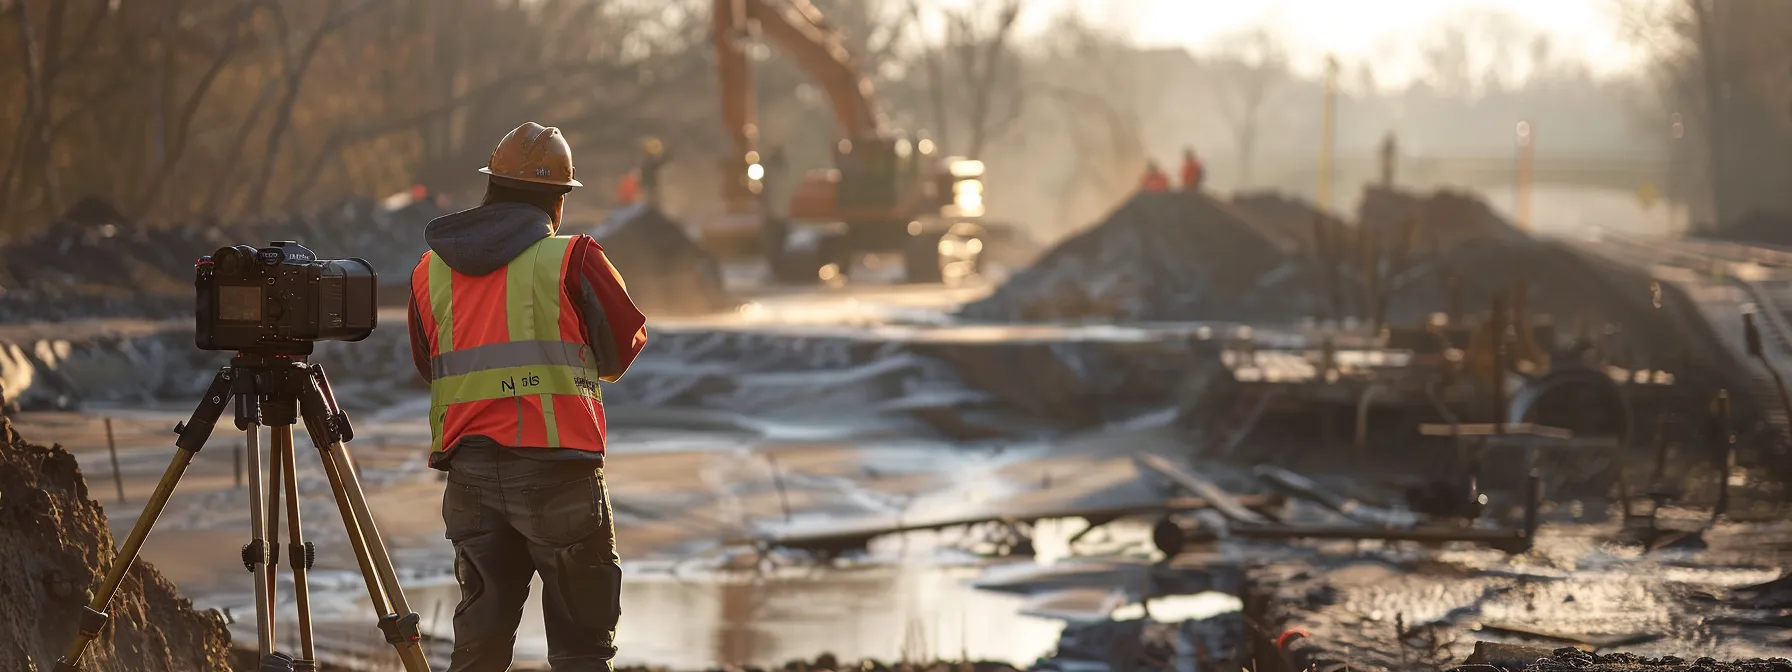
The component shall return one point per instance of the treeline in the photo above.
(183, 110)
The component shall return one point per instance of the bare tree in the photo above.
(1095, 100)
(1257, 64)
(974, 74)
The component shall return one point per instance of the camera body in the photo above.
(280, 299)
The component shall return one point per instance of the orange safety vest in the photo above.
(507, 358)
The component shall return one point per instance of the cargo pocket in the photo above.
(462, 511)
(561, 514)
(590, 578)
(472, 584)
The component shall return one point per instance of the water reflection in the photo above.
(878, 612)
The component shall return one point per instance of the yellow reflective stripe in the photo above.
(547, 286)
(512, 381)
(532, 290)
(547, 418)
(437, 415)
(441, 302)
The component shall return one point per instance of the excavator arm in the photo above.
(798, 30)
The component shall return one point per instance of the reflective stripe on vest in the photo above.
(509, 335)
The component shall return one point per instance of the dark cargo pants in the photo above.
(511, 517)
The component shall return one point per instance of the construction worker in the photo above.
(1193, 173)
(653, 158)
(628, 189)
(1155, 180)
(513, 327)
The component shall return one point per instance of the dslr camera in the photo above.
(280, 299)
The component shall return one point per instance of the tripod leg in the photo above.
(328, 427)
(376, 593)
(376, 544)
(301, 553)
(400, 627)
(255, 554)
(193, 435)
(271, 577)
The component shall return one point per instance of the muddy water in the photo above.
(698, 622)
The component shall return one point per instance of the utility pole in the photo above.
(1673, 191)
(1327, 136)
(1522, 186)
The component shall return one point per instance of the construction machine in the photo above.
(888, 194)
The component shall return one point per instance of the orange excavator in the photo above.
(888, 193)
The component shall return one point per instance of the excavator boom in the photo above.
(882, 185)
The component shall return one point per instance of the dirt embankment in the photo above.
(54, 550)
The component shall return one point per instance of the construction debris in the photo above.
(1571, 659)
(54, 546)
(1146, 644)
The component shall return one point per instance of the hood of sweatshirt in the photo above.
(484, 239)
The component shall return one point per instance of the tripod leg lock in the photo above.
(92, 622)
(402, 629)
(254, 553)
(276, 662)
(302, 555)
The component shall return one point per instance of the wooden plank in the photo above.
(1222, 501)
(849, 534)
(1490, 429)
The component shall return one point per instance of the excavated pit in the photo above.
(54, 549)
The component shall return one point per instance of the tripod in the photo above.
(276, 391)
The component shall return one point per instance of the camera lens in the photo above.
(233, 260)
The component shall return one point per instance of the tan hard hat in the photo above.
(533, 153)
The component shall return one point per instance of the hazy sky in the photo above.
(1389, 32)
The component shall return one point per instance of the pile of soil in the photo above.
(1161, 256)
(1443, 220)
(54, 549)
(667, 272)
(1284, 217)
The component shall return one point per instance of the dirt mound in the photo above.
(1443, 219)
(54, 548)
(1284, 217)
(1163, 256)
(667, 271)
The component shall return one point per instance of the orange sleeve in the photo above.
(627, 325)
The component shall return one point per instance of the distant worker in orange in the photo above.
(628, 189)
(1155, 180)
(1193, 173)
